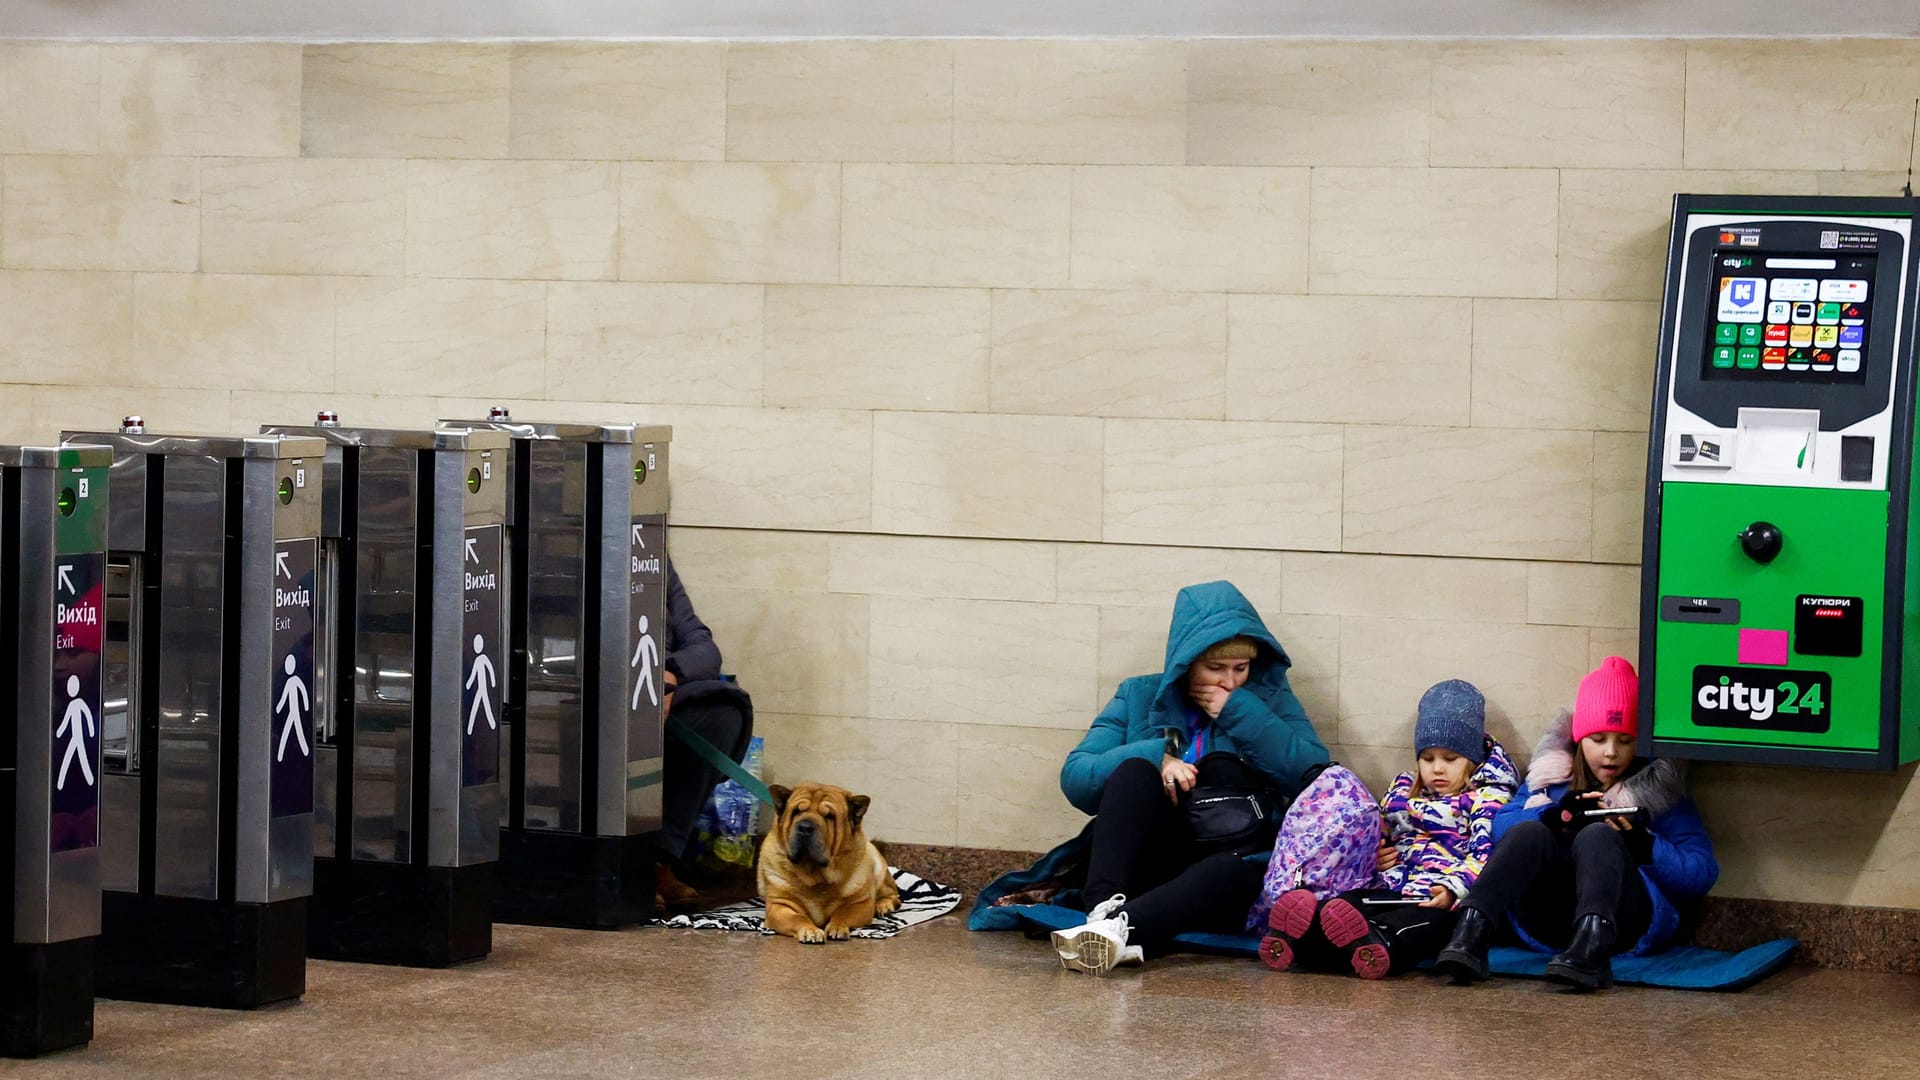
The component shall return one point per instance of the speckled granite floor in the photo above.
(1830, 935)
(938, 1001)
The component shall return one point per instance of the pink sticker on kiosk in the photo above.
(1763, 647)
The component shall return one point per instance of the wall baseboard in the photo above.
(1831, 935)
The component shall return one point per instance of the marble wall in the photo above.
(977, 350)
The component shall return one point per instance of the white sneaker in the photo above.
(1132, 956)
(1094, 946)
(1108, 908)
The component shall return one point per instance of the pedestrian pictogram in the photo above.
(646, 657)
(295, 701)
(481, 682)
(77, 714)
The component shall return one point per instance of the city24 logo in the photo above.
(1762, 699)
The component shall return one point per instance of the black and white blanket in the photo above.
(920, 900)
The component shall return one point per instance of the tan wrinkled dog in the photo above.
(820, 875)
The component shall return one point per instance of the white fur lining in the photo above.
(1656, 788)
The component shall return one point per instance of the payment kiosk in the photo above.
(207, 716)
(53, 560)
(587, 507)
(409, 801)
(1780, 589)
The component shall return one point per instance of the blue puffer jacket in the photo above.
(1683, 867)
(1262, 723)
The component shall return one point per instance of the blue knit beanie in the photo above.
(1453, 716)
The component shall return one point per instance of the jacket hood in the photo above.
(1496, 772)
(1656, 787)
(1206, 614)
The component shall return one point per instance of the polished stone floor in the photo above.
(940, 1002)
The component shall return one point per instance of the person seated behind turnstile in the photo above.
(716, 710)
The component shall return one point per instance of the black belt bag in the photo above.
(1234, 817)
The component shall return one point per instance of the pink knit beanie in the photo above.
(1609, 700)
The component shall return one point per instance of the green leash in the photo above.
(718, 760)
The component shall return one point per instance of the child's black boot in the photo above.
(1346, 928)
(1586, 963)
(1291, 920)
(1465, 957)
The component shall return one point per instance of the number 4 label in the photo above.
(1792, 700)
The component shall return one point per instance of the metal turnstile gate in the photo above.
(410, 798)
(587, 510)
(211, 688)
(53, 554)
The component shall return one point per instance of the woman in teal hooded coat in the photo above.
(1219, 714)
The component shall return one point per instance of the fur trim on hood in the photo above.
(1656, 787)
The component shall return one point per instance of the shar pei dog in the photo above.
(820, 875)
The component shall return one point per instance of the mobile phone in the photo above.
(1610, 811)
(1395, 901)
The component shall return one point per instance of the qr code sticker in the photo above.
(1830, 238)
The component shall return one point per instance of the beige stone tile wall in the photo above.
(977, 351)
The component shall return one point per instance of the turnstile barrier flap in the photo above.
(210, 644)
(590, 636)
(419, 516)
(51, 616)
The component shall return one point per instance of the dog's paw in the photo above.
(838, 931)
(886, 905)
(811, 935)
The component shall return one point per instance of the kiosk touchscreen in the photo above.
(1777, 621)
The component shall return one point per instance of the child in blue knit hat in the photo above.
(1437, 822)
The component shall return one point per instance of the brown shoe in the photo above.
(670, 892)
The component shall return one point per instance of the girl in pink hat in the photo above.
(1597, 854)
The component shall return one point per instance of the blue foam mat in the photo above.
(1684, 967)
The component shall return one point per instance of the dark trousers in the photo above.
(1550, 882)
(1143, 848)
(689, 781)
(1414, 934)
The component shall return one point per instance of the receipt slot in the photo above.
(410, 799)
(207, 716)
(587, 506)
(53, 558)
(1779, 576)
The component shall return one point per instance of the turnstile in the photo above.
(410, 799)
(53, 555)
(587, 510)
(211, 689)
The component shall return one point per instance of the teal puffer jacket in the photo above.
(1262, 723)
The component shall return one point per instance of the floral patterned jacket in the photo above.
(1444, 839)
